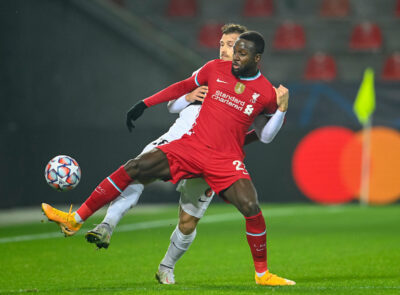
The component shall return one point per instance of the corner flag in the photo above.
(364, 105)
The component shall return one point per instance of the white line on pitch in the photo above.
(172, 221)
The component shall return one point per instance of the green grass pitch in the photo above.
(326, 249)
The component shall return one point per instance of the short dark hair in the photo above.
(256, 38)
(233, 28)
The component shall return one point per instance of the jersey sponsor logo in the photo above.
(221, 81)
(249, 109)
(254, 97)
(239, 88)
(229, 100)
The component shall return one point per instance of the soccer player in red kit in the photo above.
(213, 149)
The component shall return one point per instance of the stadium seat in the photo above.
(320, 67)
(334, 8)
(289, 36)
(209, 35)
(391, 68)
(366, 36)
(258, 8)
(397, 10)
(182, 8)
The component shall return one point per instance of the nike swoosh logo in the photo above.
(220, 81)
(202, 201)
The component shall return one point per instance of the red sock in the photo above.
(105, 192)
(257, 239)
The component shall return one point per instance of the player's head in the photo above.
(230, 33)
(247, 53)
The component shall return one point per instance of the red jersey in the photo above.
(229, 108)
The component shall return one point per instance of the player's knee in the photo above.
(132, 168)
(188, 225)
(250, 208)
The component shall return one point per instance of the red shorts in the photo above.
(189, 159)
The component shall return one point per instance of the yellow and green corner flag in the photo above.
(364, 105)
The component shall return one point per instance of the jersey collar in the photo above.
(251, 78)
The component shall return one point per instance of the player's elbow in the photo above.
(267, 139)
(171, 108)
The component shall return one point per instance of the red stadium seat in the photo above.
(397, 10)
(289, 36)
(258, 8)
(209, 35)
(366, 36)
(320, 67)
(391, 68)
(334, 8)
(182, 8)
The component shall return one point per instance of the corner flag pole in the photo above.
(363, 107)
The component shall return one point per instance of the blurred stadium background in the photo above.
(70, 69)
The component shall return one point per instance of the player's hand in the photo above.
(198, 94)
(134, 113)
(282, 98)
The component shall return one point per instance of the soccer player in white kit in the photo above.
(195, 194)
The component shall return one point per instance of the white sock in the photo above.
(179, 245)
(78, 218)
(123, 203)
(260, 274)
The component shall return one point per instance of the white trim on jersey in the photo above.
(251, 78)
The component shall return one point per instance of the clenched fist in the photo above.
(282, 98)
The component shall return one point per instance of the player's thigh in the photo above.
(159, 141)
(243, 195)
(196, 196)
(150, 165)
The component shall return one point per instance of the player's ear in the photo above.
(257, 57)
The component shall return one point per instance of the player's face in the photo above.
(226, 46)
(245, 60)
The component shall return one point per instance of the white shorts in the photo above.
(196, 195)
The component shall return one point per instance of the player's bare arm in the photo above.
(197, 95)
(177, 105)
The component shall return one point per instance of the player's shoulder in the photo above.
(217, 66)
(219, 63)
(264, 86)
(264, 81)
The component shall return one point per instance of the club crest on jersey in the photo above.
(254, 97)
(239, 88)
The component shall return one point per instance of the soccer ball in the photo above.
(62, 173)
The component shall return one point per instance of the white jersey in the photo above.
(181, 126)
(184, 123)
